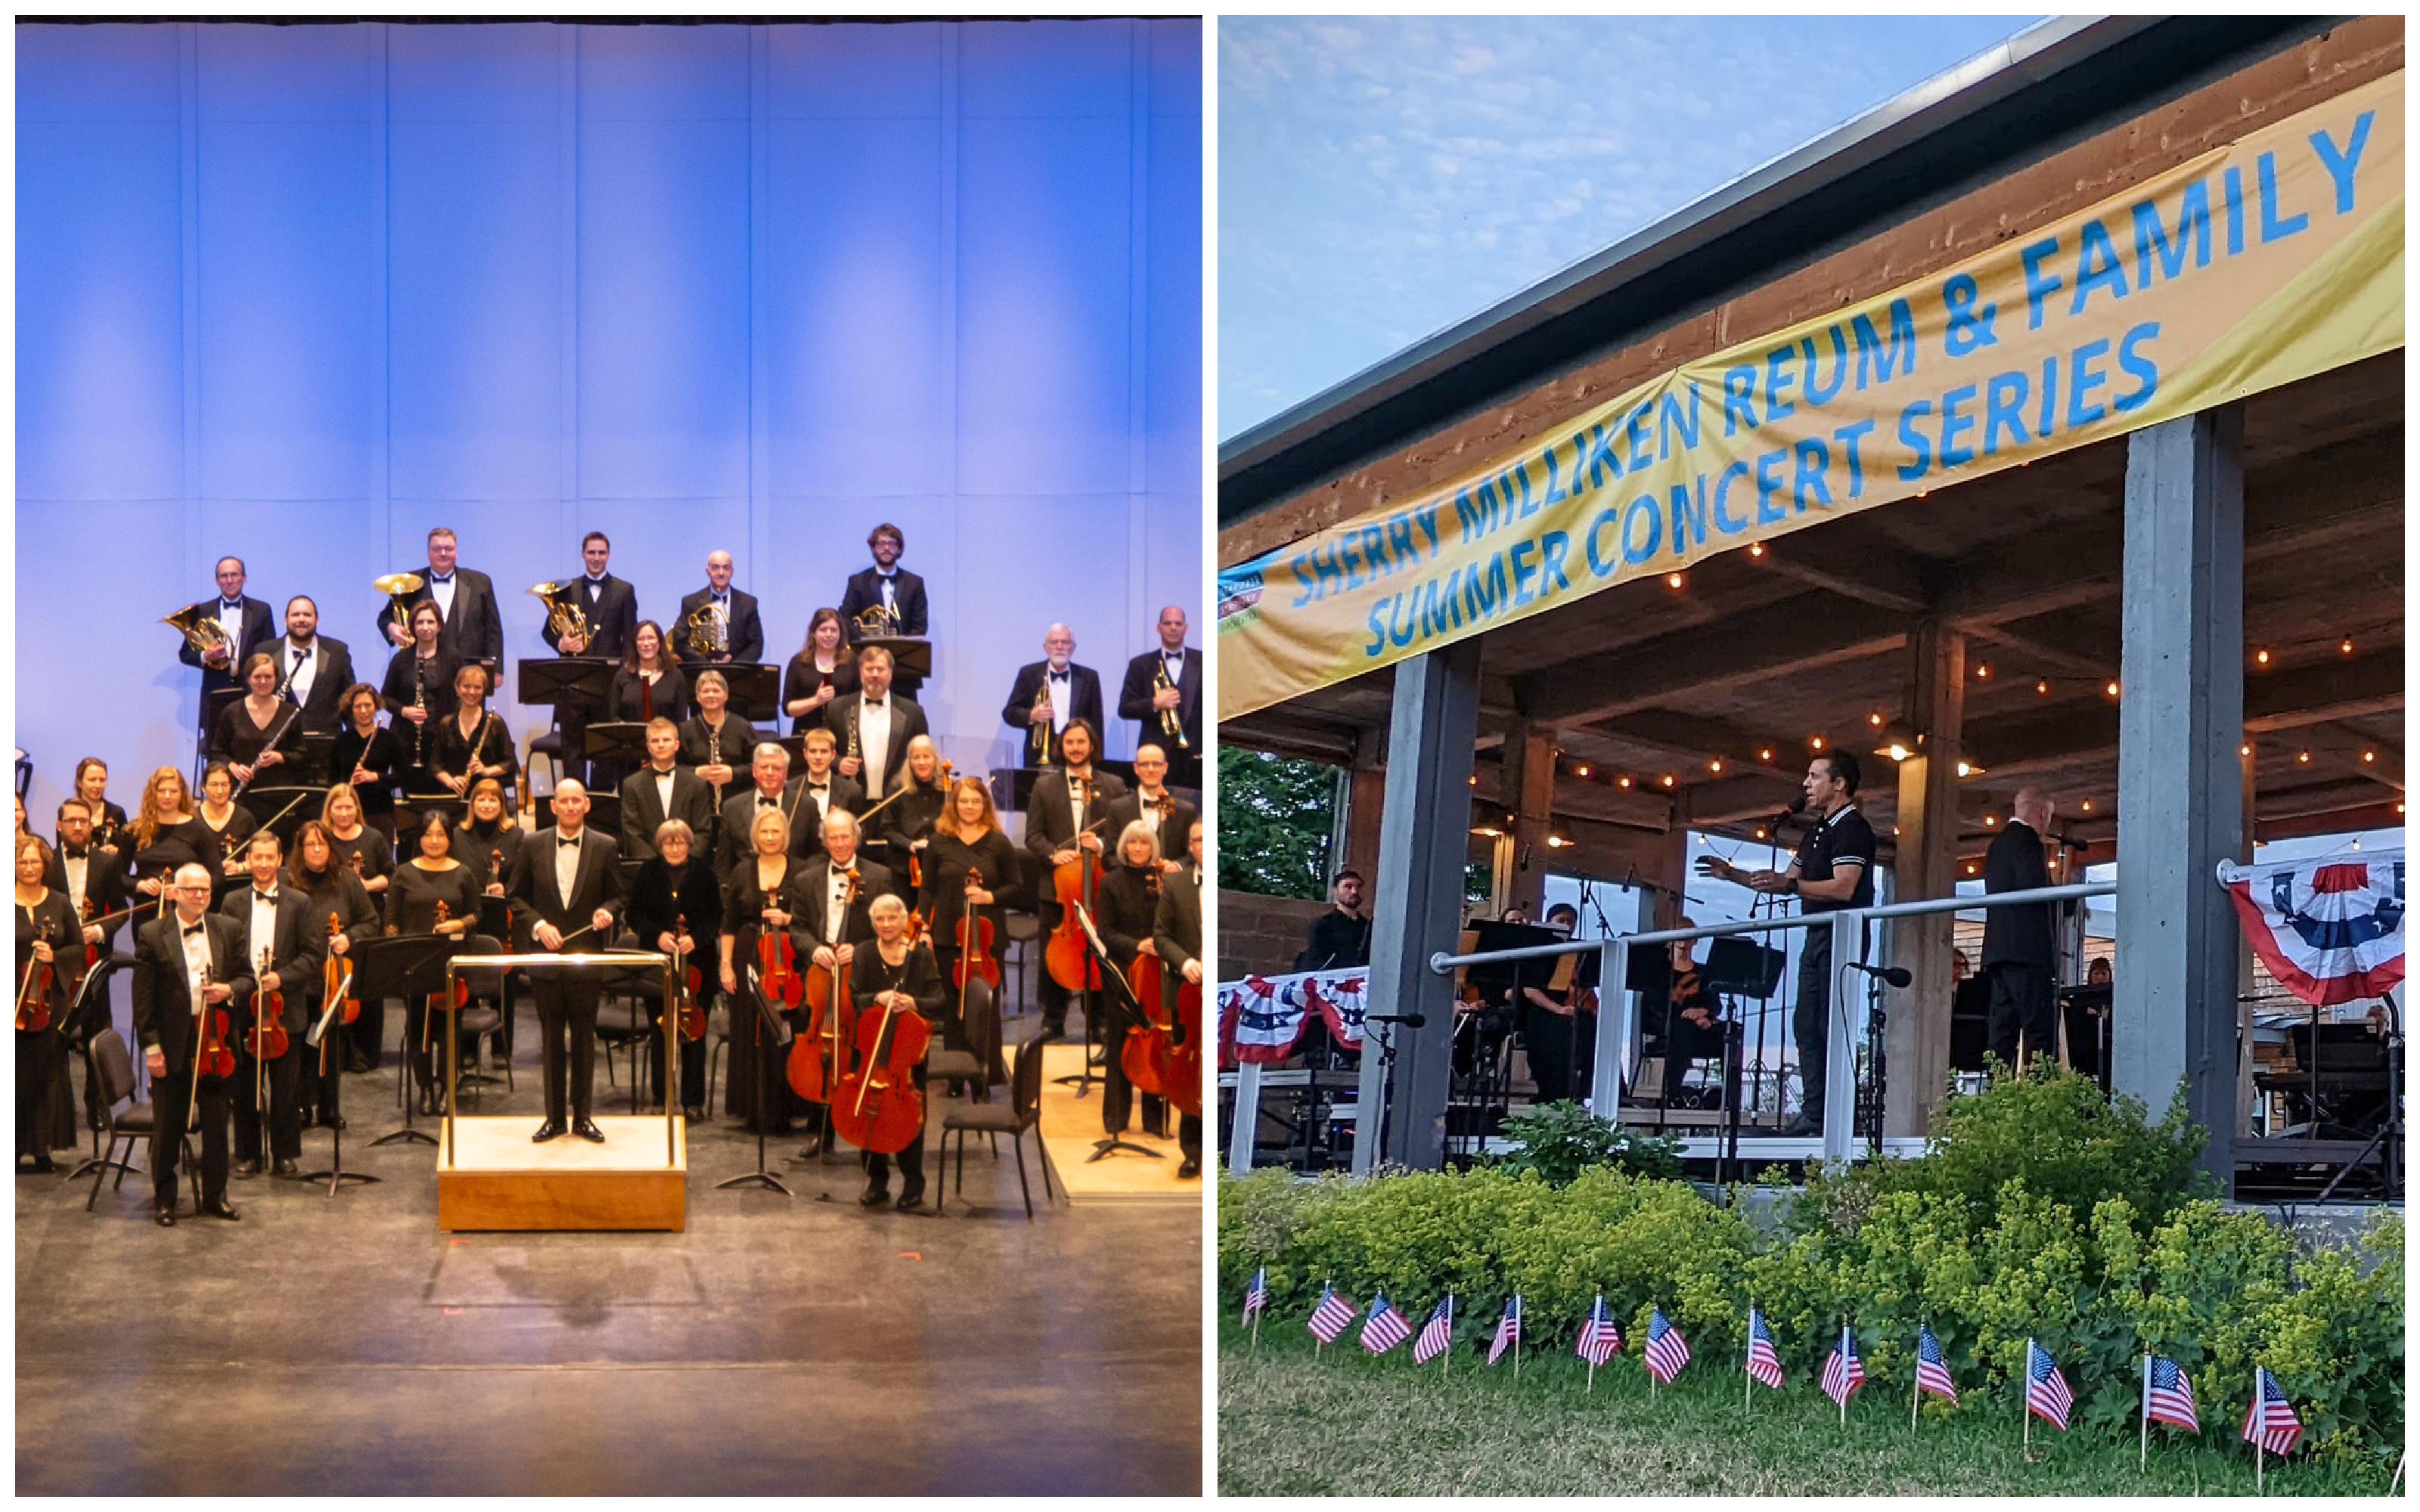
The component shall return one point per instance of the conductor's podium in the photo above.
(496, 1178)
(489, 1176)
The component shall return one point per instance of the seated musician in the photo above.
(1694, 1023)
(282, 945)
(822, 671)
(899, 974)
(1127, 910)
(1558, 1020)
(366, 757)
(359, 849)
(474, 743)
(836, 893)
(330, 889)
(676, 904)
(230, 826)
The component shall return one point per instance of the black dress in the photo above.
(920, 977)
(744, 902)
(801, 679)
(1127, 909)
(658, 900)
(944, 898)
(494, 749)
(909, 819)
(172, 846)
(436, 693)
(238, 740)
(337, 891)
(228, 840)
(46, 1114)
(667, 700)
(368, 857)
(489, 851)
(381, 755)
(411, 904)
(735, 742)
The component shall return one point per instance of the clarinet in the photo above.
(420, 701)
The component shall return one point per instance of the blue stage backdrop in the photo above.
(299, 293)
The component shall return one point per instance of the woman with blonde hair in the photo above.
(761, 896)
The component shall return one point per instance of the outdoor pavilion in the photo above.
(2221, 595)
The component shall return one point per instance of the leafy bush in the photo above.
(1559, 1140)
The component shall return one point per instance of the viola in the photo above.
(34, 993)
(688, 981)
(266, 1041)
(337, 980)
(877, 1106)
(777, 968)
(212, 1056)
(975, 958)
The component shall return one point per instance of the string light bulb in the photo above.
(1875, 719)
(1964, 768)
(1716, 766)
(1817, 742)
(2244, 750)
(1989, 822)
(1764, 753)
(1756, 549)
(1983, 670)
(2303, 758)
(2344, 646)
(2111, 688)
(1674, 580)
(2367, 757)
(2261, 656)
(2087, 806)
(1622, 782)
(1671, 780)
(2042, 687)
(1583, 769)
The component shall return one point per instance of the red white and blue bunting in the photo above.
(1259, 1018)
(2330, 929)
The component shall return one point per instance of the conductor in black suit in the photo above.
(1142, 700)
(313, 670)
(246, 624)
(1075, 693)
(2019, 955)
(891, 587)
(473, 627)
(873, 729)
(569, 877)
(190, 949)
(745, 635)
(663, 790)
(609, 609)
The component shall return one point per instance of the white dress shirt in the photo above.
(305, 673)
(197, 959)
(566, 866)
(872, 741)
(442, 591)
(1063, 697)
(76, 868)
(836, 906)
(231, 620)
(664, 793)
(264, 923)
(890, 588)
(1150, 816)
(596, 587)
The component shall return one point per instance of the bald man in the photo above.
(2020, 949)
(182, 961)
(1075, 693)
(745, 640)
(1144, 700)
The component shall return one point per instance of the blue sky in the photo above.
(1382, 177)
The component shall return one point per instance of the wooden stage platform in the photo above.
(1070, 1124)
(500, 1180)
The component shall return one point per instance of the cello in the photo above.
(1068, 956)
(688, 981)
(877, 1105)
(816, 1055)
(1145, 1055)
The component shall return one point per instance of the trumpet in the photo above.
(709, 633)
(1171, 724)
(877, 622)
(561, 619)
(399, 587)
(202, 630)
(1041, 740)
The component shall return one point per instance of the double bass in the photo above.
(877, 1106)
(817, 1053)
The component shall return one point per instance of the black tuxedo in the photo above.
(567, 997)
(1175, 831)
(259, 630)
(1134, 703)
(331, 672)
(747, 631)
(735, 842)
(845, 792)
(294, 954)
(1083, 703)
(866, 590)
(2019, 953)
(164, 1016)
(814, 895)
(642, 809)
(907, 723)
(474, 629)
(612, 615)
(104, 883)
(1049, 824)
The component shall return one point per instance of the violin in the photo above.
(211, 1054)
(877, 1106)
(336, 982)
(688, 981)
(85, 912)
(975, 958)
(34, 993)
(268, 1039)
(440, 1000)
(777, 968)
(1068, 955)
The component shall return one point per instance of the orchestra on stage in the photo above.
(787, 833)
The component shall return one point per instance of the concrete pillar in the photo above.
(1425, 836)
(1529, 765)
(1915, 1034)
(2180, 779)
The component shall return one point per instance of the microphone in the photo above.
(1797, 807)
(1409, 1021)
(1896, 976)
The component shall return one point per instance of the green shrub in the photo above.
(1559, 1140)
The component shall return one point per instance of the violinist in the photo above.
(365, 756)
(676, 887)
(167, 834)
(821, 671)
(570, 878)
(359, 849)
(663, 790)
(1125, 912)
(717, 740)
(893, 971)
(474, 743)
(649, 683)
(259, 731)
(761, 894)
(430, 877)
(418, 691)
(1177, 933)
(836, 893)
(46, 944)
(108, 819)
(329, 888)
(1064, 818)
(231, 827)
(908, 823)
(90, 877)
(966, 839)
(186, 962)
(1166, 815)
(276, 919)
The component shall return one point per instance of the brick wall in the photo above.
(1262, 935)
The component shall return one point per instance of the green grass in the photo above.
(1343, 1424)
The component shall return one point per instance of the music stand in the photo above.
(911, 655)
(400, 965)
(756, 688)
(576, 681)
(781, 1027)
(315, 1041)
(1104, 1147)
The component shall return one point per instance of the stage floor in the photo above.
(780, 1346)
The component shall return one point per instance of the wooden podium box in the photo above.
(497, 1180)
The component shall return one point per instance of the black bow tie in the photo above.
(235, 605)
(562, 840)
(194, 929)
(264, 897)
(877, 703)
(74, 853)
(436, 579)
(764, 802)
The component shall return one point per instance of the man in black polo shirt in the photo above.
(1834, 870)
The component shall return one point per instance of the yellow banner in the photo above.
(2250, 266)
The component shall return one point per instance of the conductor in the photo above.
(569, 877)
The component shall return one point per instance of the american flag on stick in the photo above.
(1437, 1334)
(1256, 1296)
(2046, 1394)
(1385, 1327)
(1508, 1332)
(1667, 1350)
(1931, 1370)
(1843, 1372)
(1600, 1340)
(2270, 1422)
(1763, 1363)
(1332, 1316)
(2167, 1395)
